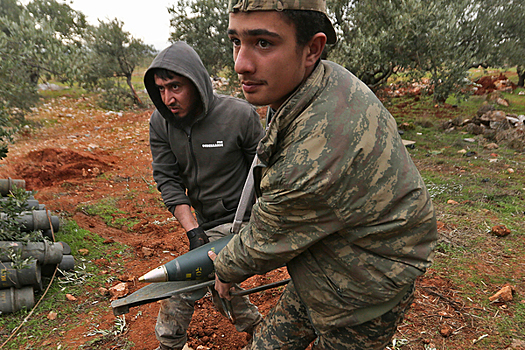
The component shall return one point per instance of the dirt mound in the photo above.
(52, 166)
(488, 84)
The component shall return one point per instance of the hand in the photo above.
(197, 237)
(222, 288)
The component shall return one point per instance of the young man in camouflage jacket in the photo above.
(340, 201)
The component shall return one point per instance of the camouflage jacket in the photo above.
(341, 203)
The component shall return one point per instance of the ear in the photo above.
(315, 48)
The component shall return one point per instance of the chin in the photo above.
(256, 100)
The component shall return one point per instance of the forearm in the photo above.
(196, 235)
(184, 215)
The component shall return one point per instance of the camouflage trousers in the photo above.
(176, 312)
(288, 327)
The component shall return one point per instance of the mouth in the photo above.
(174, 109)
(250, 86)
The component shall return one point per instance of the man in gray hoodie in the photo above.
(202, 145)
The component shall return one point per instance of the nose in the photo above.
(244, 61)
(168, 97)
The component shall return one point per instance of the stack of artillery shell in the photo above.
(37, 220)
(7, 185)
(17, 285)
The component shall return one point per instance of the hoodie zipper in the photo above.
(194, 159)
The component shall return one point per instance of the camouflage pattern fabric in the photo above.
(342, 204)
(287, 327)
(176, 312)
(281, 5)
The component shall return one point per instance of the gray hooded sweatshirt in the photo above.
(201, 160)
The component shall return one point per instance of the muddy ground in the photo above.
(87, 154)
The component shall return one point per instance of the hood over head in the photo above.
(181, 59)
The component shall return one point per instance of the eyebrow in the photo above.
(255, 32)
(171, 81)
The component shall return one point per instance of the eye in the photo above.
(235, 42)
(161, 88)
(263, 43)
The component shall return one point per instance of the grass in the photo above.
(73, 92)
(485, 194)
(85, 277)
(107, 209)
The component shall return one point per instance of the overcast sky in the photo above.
(146, 20)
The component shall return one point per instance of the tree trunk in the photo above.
(133, 92)
(521, 75)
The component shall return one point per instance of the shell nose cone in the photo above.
(157, 275)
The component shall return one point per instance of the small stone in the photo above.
(126, 278)
(147, 251)
(502, 102)
(462, 151)
(406, 126)
(503, 295)
(500, 230)
(475, 129)
(83, 251)
(70, 297)
(510, 170)
(445, 331)
(118, 291)
(52, 315)
(452, 202)
(491, 146)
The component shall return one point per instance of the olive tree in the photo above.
(440, 39)
(510, 36)
(38, 41)
(203, 25)
(113, 53)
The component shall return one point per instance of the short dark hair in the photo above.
(306, 23)
(164, 73)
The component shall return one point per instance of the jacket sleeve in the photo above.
(272, 239)
(165, 165)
